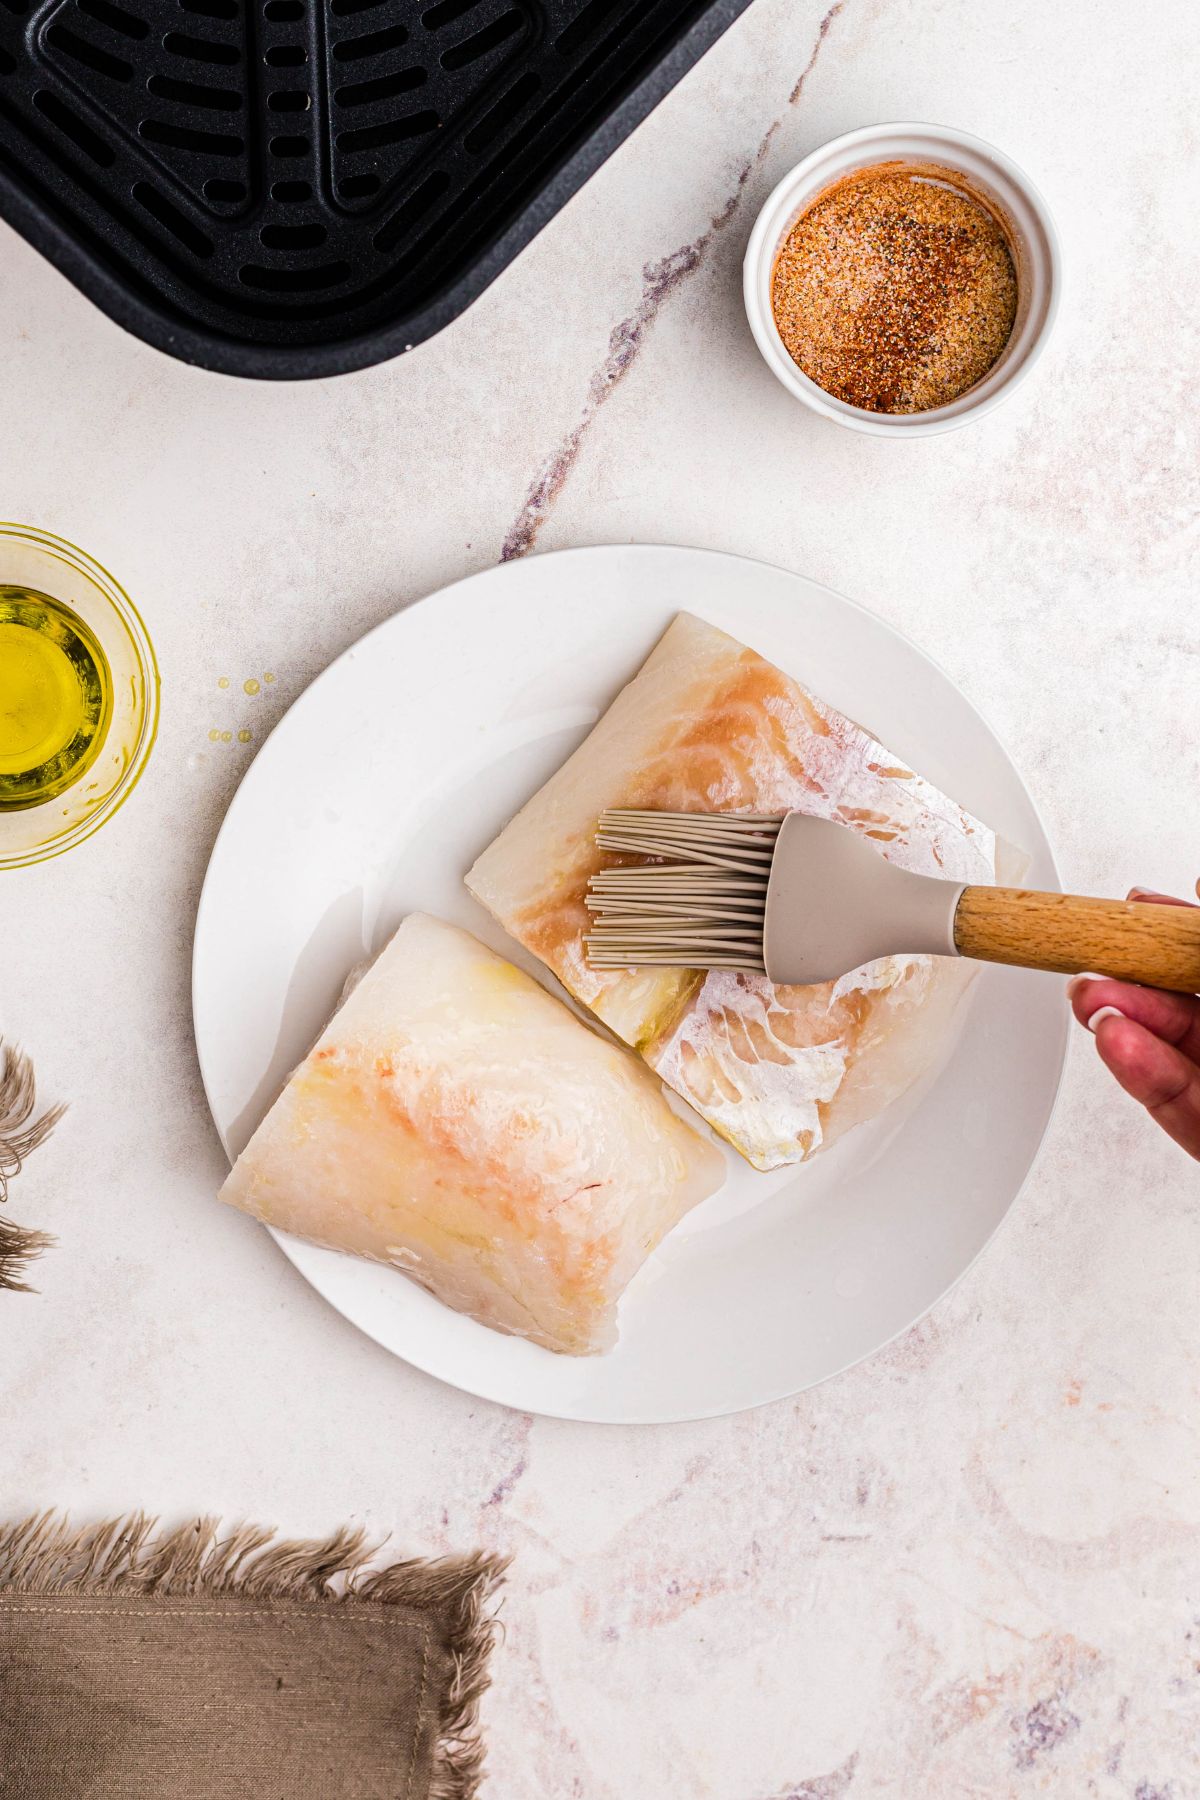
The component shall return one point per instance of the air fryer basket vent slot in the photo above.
(288, 186)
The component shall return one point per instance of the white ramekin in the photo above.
(1031, 232)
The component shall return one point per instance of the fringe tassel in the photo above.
(19, 1246)
(18, 1138)
(44, 1555)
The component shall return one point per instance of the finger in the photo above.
(1157, 1075)
(1173, 1017)
(1157, 899)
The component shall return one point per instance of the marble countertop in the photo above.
(971, 1567)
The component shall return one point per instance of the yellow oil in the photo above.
(55, 697)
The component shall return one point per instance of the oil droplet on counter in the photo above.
(244, 736)
(214, 735)
(268, 676)
(226, 736)
(251, 686)
(223, 682)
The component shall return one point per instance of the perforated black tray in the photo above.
(300, 187)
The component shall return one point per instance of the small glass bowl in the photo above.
(35, 559)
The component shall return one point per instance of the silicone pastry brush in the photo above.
(804, 900)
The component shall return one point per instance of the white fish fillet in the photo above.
(456, 1121)
(710, 726)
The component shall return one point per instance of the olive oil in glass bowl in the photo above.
(78, 695)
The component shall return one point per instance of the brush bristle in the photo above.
(701, 909)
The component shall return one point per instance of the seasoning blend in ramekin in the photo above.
(902, 279)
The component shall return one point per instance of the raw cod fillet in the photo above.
(457, 1122)
(710, 726)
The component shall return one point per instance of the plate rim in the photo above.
(294, 1249)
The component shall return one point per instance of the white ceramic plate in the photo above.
(372, 797)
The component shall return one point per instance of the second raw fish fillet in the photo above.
(457, 1122)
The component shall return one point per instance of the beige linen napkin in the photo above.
(189, 1666)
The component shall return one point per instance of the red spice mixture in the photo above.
(895, 292)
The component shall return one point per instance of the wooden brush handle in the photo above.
(1158, 946)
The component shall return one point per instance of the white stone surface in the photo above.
(972, 1566)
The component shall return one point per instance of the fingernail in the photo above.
(1077, 981)
(1135, 893)
(1104, 1012)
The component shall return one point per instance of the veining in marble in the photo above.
(659, 279)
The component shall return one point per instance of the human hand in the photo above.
(1149, 1039)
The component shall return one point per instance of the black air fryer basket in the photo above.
(301, 187)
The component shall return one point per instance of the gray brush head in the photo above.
(799, 899)
(834, 902)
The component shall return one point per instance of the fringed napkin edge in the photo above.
(42, 1554)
